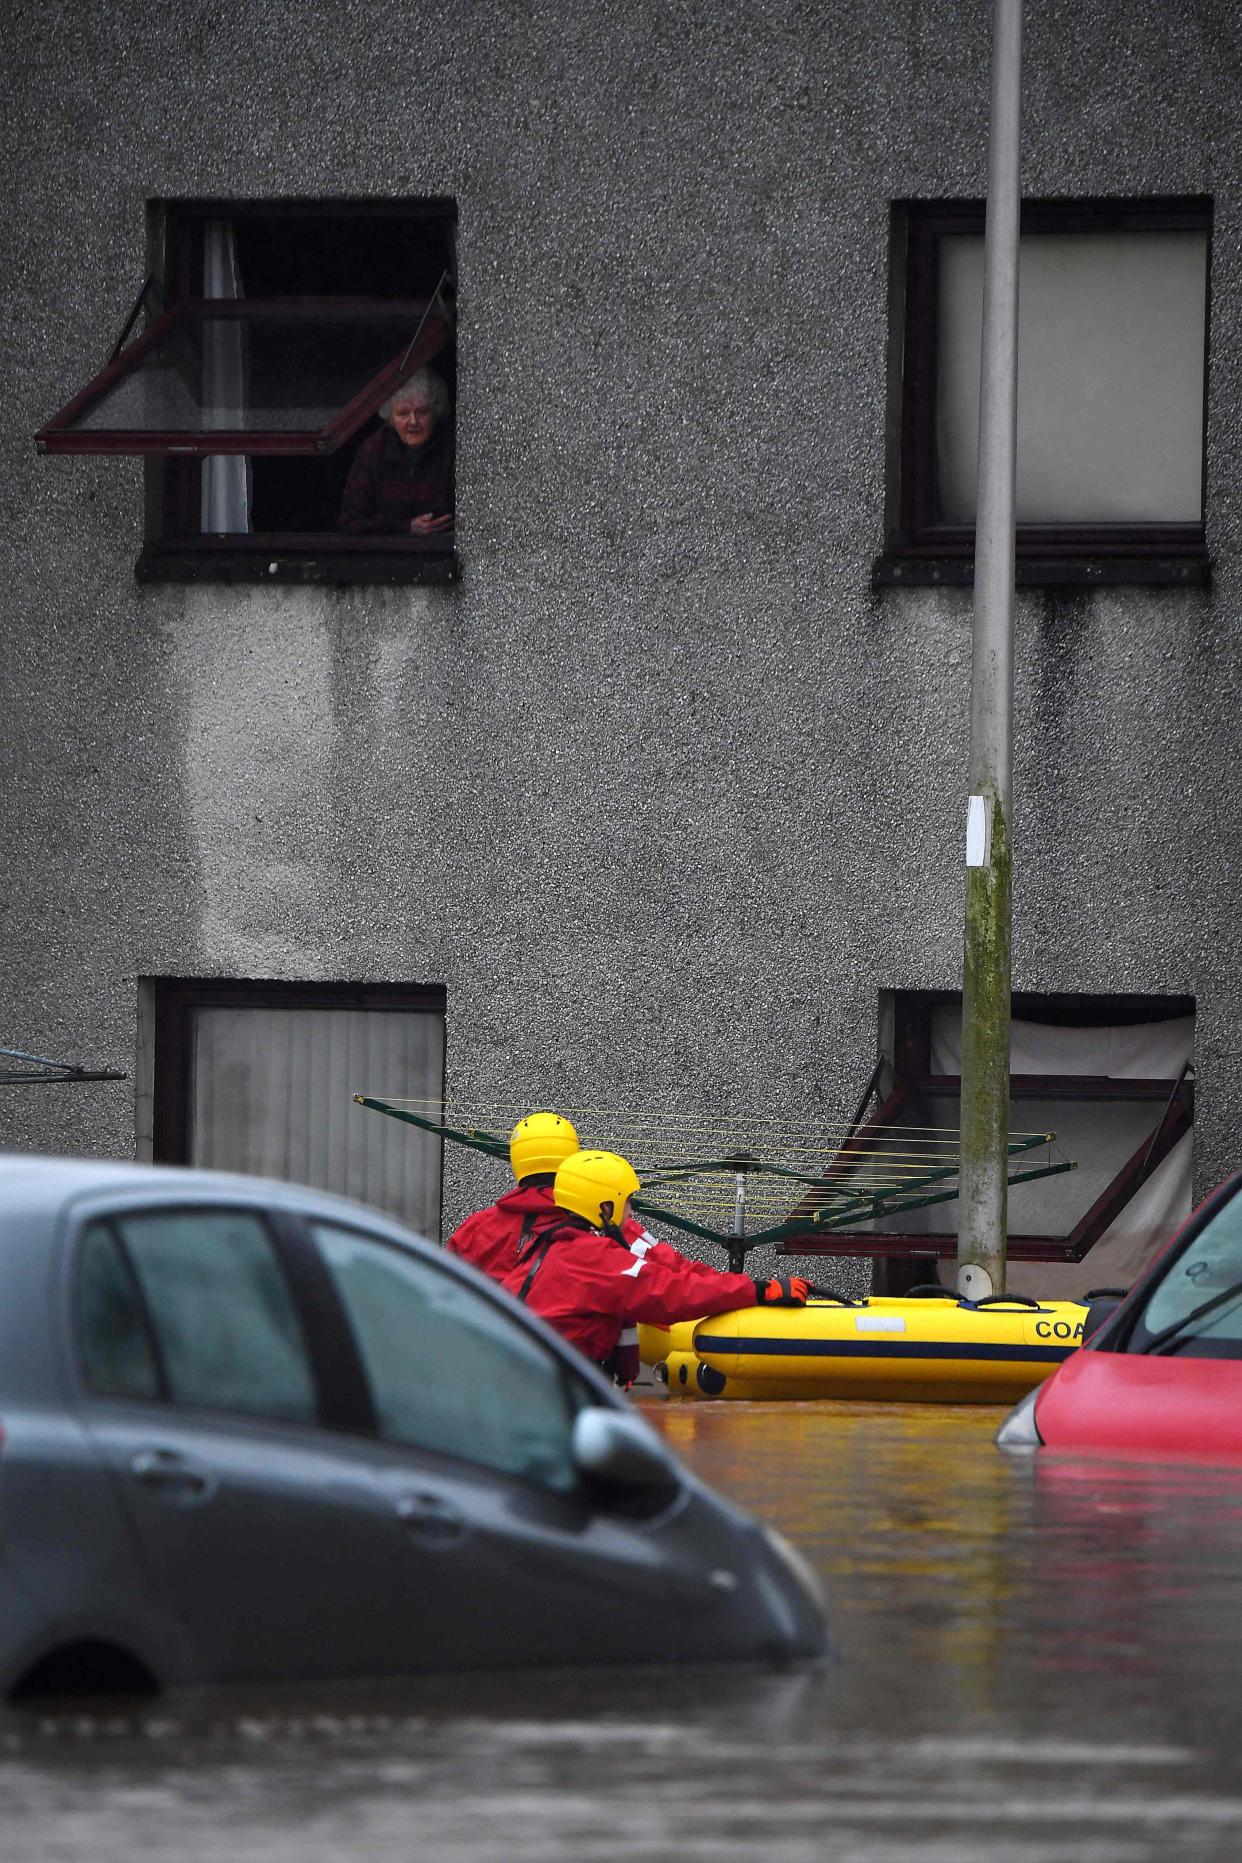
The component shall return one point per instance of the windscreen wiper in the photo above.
(1169, 1336)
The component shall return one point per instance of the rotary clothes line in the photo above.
(752, 1181)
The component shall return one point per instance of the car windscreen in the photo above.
(1195, 1310)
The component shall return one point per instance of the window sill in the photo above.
(291, 559)
(901, 569)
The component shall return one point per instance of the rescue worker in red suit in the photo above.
(580, 1275)
(491, 1238)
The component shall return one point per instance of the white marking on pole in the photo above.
(977, 835)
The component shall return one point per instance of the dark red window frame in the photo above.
(1172, 1104)
(918, 532)
(174, 1001)
(175, 548)
(428, 332)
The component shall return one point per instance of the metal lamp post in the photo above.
(981, 1244)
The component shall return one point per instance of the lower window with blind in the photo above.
(260, 1077)
(1111, 1077)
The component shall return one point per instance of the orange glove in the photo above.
(791, 1291)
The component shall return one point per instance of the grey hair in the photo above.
(425, 386)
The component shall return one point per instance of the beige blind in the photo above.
(273, 1094)
(1111, 340)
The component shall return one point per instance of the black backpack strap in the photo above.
(541, 1241)
(534, 1227)
(545, 1240)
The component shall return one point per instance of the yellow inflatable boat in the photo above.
(910, 1350)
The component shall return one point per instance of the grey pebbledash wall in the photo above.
(662, 790)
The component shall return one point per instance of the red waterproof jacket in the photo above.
(490, 1239)
(640, 1241)
(590, 1287)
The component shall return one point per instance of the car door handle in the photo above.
(166, 1472)
(430, 1517)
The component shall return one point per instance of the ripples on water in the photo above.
(1036, 1658)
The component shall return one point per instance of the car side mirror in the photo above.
(621, 1450)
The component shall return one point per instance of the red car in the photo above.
(1162, 1374)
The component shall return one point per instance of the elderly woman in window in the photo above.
(401, 481)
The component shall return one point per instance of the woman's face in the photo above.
(413, 423)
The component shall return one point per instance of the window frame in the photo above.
(1172, 1103)
(61, 434)
(919, 548)
(174, 548)
(173, 1000)
(903, 1074)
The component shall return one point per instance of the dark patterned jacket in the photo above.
(389, 482)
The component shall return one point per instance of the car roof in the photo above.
(39, 1180)
(44, 1189)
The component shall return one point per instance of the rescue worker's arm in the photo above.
(791, 1292)
(640, 1241)
(626, 1362)
(657, 1294)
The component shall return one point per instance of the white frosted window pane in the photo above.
(273, 1095)
(1111, 330)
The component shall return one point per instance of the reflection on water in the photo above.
(1036, 1658)
(995, 1577)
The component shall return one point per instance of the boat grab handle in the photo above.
(830, 1294)
(1005, 1300)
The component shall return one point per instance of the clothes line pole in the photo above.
(987, 967)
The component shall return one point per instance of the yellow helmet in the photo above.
(595, 1184)
(539, 1143)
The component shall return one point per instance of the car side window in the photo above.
(223, 1316)
(114, 1346)
(448, 1369)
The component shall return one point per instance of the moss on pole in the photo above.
(983, 1199)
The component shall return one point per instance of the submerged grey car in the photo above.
(253, 1433)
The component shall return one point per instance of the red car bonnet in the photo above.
(1144, 1403)
(1131, 1402)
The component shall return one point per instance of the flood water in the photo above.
(1036, 1658)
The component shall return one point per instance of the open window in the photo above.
(1112, 355)
(288, 374)
(1111, 1077)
